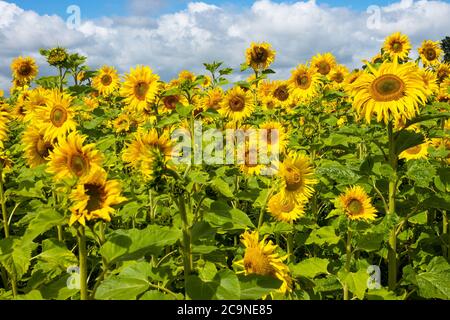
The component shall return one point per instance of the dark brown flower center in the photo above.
(303, 81)
(324, 68)
(96, 195)
(397, 46)
(58, 116)
(25, 69)
(281, 93)
(388, 87)
(43, 148)
(106, 80)
(259, 55)
(141, 89)
(78, 164)
(237, 103)
(414, 150)
(355, 207)
(293, 179)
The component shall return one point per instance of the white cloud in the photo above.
(204, 32)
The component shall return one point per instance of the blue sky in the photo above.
(99, 8)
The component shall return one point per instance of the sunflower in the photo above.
(37, 146)
(140, 87)
(169, 102)
(212, 99)
(261, 258)
(378, 58)
(6, 163)
(442, 71)
(186, 75)
(430, 52)
(147, 150)
(392, 90)
(94, 197)
(250, 164)
(37, 98)
(304, 82)
(260, 56)
(339, 74)
(397, 46)
(4, 120)
(57, 117)
(297, 177)
(237, 104)
(341, 121)
(19, 110)
(417, 152)
(122, 123)
(71, 159)
(285, 210)
(323, 63)
(276, 135)
(356, 204)
(106, 81)
(281, 93)
(430, 81)
(24, 69)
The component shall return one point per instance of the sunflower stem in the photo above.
(290, 246)
(187, 249)
(392, 247)
(82, 252)
(348, 259)
(263, 208)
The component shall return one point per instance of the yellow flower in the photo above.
(417, 152)
(146, 150)
(281, 93)
(106, 81)
(94, 198)
(397, 46)
(140, 87)
(356, 204)
(6, 163)
(250, 165)
(378, 58)
(392, 91)
(265, 89)
(57, 117)
(324, 63)
(442, 71)
(338, 74)
(430, 52)
(122, 123)
(276, 135)
(429, 81)
(212, 99)
(37, 147)
(341, 121)
(186, 75)
(4, 120)
(237, 104)
(24, 69)
(261, 258)
(297, 177)
(284, 209)
(71, 159)
(304, 82)
(260, 56)
(169, 102)
(36, 99)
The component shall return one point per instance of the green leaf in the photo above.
(222, 187)
(121, 288)
(435, 281)
(382, 294)
(421, 172)
(407, 139)
(132, 244)
(337, 172)
(222, 215)
(255, 287)
(44, 221)
(370, 241)
(224, 286)
(15, 256)
(357, 282)
(324, 235)
(310, 268)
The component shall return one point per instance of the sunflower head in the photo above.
(297, 177)
(397, 46)
(442, 71)
(261, 258)
(94, 198)
(356, 204)
(237, 104)
(339, 74)
(417, 152)
(24, 69)
(212, 99)
(106, 81)
(323, 63)
(430, 52)
(37, 146)
(260, 56)
(57, 57)
(304, 82)
(284, 209)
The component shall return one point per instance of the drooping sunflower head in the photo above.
(430, 52)
(356, 204)
(378, 58)
(57, 56)
(397, 46)
(24, 69)
(94, 198)
(390, 92)
(442, 71)
(304, 82)
(297, 176)
(261, 258)
(70, 158)
(106, 81)
(284, 209)
(37, 146)
(237, 104)
(323, 63)
(260, 56)
(212, 99)
(140, 87)
(417, 152)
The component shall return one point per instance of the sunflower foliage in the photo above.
(352, 204)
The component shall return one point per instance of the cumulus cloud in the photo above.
(203, 32)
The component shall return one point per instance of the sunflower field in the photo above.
(351, 202)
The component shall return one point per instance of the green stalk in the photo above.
(392, 248)
(290, 246)
(187, 247)
(446, 235)
(263, 209)
(348, 259)
(82, 252)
